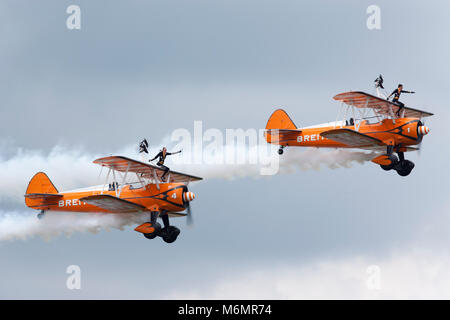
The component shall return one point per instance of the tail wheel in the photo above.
(170, 234)
(155, 233)
(394, 161)
(404, 168)
(41, 215)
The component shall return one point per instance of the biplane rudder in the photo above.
(40, 184)
(280, 120)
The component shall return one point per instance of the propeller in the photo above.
(419, 149)
(423, 130)
(190, 218)
(188, 197)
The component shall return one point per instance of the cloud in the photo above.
(412, 275)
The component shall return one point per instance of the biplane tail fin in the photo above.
(280, 120)
(280, 129)
(40, 183)
(40, 188)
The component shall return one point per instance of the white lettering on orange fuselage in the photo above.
(68, 203)
(309, 138)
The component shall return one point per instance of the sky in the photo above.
(143, 69)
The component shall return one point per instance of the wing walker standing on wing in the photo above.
(397, 128)
(162, 157)
(148, 195)
(396, 93)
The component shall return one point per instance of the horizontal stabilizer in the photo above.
(352, 138)
(43, 196)
(282, 136)
(113, 204)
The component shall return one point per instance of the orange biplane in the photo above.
(396, 130)
(147, 195)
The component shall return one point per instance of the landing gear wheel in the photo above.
(155, 233)
(170, 234)
(394, 162)
(41, 215)
(280, 151)
(405, 167)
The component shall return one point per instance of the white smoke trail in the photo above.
(73, 168)
(20, 225)
(292, 159)
(314, 159)
(66, 168)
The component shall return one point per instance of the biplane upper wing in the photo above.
(352, 138)
(361, 99)
(124, 164)
(282, 135)
(113, 204)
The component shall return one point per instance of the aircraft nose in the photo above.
(423, 130)
(188, 196)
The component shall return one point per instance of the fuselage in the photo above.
(404, 132)
(169, 197)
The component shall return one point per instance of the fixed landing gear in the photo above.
(280, 151)
(157, 229)
(400, 164)
(41, 215)
(169, 233)
(394, 161)
(404, 167)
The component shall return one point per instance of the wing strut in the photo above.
(123, 180)
(156, 178)
(106, 180)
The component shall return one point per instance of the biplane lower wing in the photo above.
(361, 99)
(282, 135)
(177, 214)
(118, 205)
(113, 204)
(124, 164)
(352, 138)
